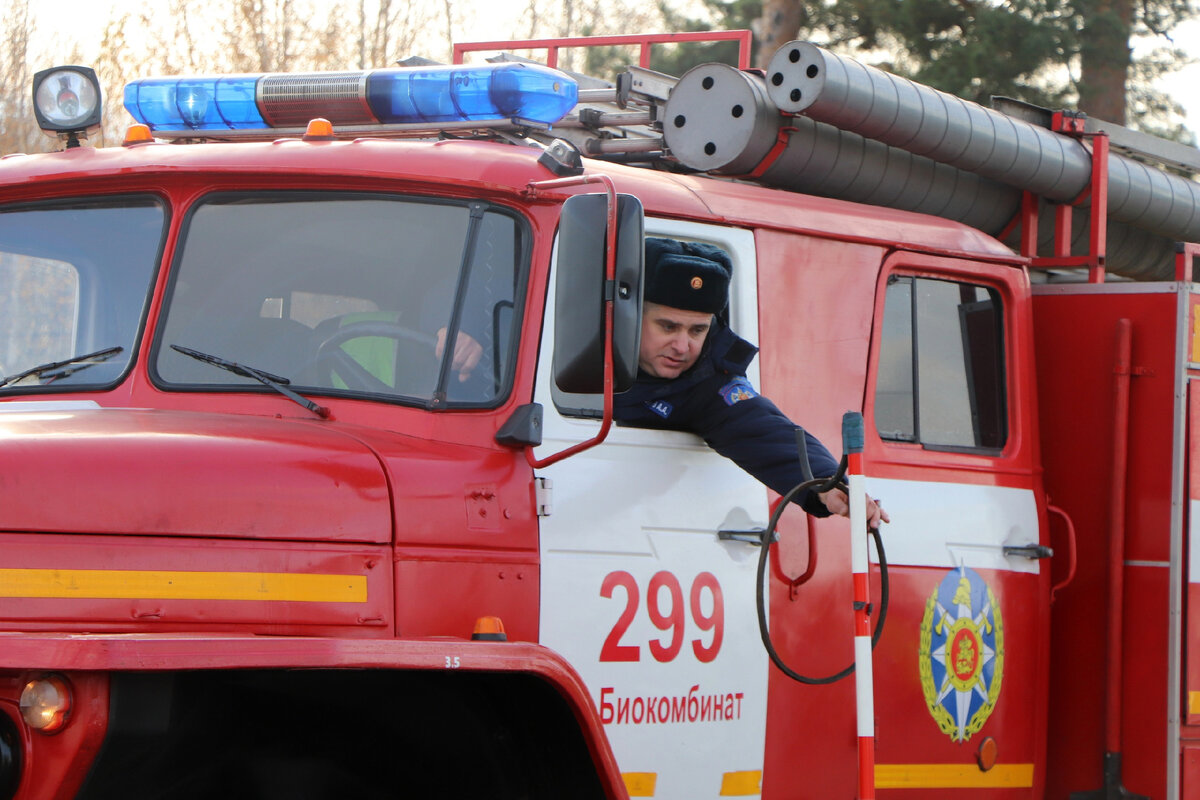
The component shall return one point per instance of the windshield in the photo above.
(74, 284)
(351, 294)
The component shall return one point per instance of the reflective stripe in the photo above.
(129, 584)
(746, 783)
(640, 784)
(952, 776)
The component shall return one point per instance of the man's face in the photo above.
(671, 339)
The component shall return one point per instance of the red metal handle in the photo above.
(1116, 524)
(610, 272)
(809, 571)
(1070, 550)
(744, 38)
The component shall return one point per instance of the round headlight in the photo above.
(66, 99)
(46, 703)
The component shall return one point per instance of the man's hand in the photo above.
(837, 503)
(467, 353)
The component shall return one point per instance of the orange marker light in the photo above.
(137, 134)
(986, 757)
(46, 703)
(318, 130)
(489, 629)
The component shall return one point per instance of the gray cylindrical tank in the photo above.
(851, 96)
(718, 119)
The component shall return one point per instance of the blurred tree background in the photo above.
(1056, 53)
(1074, 54)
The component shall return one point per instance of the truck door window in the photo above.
(940, 379)
(572, 404)
(345, 294)
(75, 279)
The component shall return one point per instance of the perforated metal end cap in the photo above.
(795, 76)
(720, 119)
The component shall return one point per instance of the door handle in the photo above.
(1030, 551)
(752, 536)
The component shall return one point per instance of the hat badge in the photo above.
(697, 282)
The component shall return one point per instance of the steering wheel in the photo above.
(331, 356)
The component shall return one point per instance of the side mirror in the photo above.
(580, 294)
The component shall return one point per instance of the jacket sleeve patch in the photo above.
(661, 407)
(737, 390)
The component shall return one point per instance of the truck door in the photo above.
(653, 609)
(960, 675)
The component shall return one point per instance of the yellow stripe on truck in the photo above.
(640, 784)
(952, 776)
(295, 587)
(747, 783)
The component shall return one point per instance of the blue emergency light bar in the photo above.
(524, 93)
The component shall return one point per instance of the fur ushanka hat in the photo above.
(687, 275)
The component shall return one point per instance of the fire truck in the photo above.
(310, 486)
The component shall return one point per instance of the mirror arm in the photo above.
(610, 276)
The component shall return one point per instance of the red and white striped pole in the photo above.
(852, 444)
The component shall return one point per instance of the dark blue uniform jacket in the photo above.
(715, 400)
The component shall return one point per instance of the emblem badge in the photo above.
(697, 282)
(736, 391)
(961, 659)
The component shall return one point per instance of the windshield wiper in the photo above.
(265, 378)
(73, 364)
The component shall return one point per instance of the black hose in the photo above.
(818, 485)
